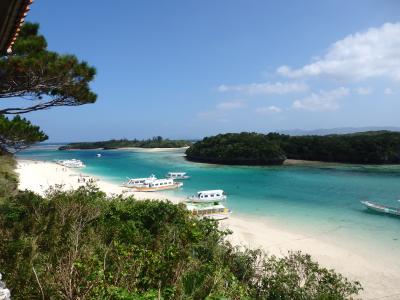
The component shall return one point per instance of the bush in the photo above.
(8, 178)
(83, 245)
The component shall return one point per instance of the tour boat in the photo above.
(215, 211)
(71, 163)
(177, 175)
(381, 208)
(208, 196)
(158, 185)
(139, 182)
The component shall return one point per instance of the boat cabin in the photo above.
(177, 175)
(140, 181)
(211, 195)
(161, 182)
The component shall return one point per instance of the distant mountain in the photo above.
(340, 130)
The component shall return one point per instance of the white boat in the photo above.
(395, 211)
(158, 185)
(98, 155)
(71, 163)
(215, 211)
(208, 196)
(177, 175)
(139, 182)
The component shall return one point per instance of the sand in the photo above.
(141, 149)
(379, 273)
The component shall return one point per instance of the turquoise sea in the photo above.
(322, 199)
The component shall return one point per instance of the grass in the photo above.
(8, 177)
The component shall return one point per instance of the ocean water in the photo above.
(323, 200)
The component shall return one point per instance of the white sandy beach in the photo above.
(379, 273)
(140, 149)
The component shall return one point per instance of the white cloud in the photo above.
(321, 101)
(388, 91)
(373, 53)
(229, 105)
(221, 110)
(265, 88)
(268, 110)
(208, 114)
(364, 90)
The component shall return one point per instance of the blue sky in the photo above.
(187, 69)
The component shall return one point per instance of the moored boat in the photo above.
(177, 175)
(139, 182)
(208, 196)
(71, 163)
(381, 208)
(215, 211)
(158, 185)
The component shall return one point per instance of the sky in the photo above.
(189, 69)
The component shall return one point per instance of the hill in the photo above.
(371, 147)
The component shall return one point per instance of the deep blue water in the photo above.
(320, 199)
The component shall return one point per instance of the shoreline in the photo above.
(379, 277)
(135, 149)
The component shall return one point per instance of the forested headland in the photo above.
(373, 147)
(156, 142)
(237, 149)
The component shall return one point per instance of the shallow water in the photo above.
(323, 200)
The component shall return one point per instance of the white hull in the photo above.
(217, 217)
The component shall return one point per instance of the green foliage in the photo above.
(44, 78)
(18, 133)
(238, 148)
(379, 147)
(156, 142)
(8, 178)
(83, 245)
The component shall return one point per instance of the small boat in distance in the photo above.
(71, 163)
(98, 155)
(177, 175)
(215, 211)
(138, 182)
(208, 196)
(381, 208)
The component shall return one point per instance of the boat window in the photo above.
(205, 196)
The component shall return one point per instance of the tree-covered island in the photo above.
(155, 142)
(238, 149)
(374, 147)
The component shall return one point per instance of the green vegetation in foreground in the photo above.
(155, 142)
(8, 177)
(375, 147)
(83, 245)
